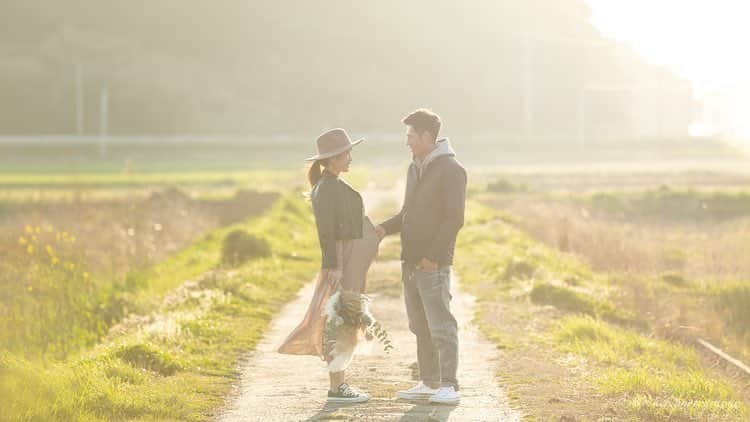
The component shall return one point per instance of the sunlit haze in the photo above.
(703, 41)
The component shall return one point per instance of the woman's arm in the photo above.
(325, 221)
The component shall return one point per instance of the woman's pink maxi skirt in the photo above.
(307, 338)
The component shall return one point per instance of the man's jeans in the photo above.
(427, 297)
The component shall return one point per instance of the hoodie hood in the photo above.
(443, 147)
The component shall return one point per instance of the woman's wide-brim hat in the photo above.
(332, 143)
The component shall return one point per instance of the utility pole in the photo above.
(528, 87)
(660, 107)
(103, 121)
(79, 100)
(582, 118)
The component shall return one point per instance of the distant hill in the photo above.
(249, 67)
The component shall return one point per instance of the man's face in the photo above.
(420, 143)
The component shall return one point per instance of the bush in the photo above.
(148, 357)
(240, 246)
(609, 203)
(505, 186)
(518, 268)
(562, 298)
(674, 279)
(675, 259)
(571, 300)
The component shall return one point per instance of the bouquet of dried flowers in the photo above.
(347, 313)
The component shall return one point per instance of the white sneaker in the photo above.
(446, 395)
(418, 392)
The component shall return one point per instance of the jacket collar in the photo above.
(330, 178)
(442, 148)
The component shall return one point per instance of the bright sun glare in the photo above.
(701, 40)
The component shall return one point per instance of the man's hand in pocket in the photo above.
(427, 266)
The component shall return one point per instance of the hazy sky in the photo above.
(705, 41)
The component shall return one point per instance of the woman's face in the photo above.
(340, 163)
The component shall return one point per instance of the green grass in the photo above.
(570, 300)
(180, 363)
(677, 409)
(50, 305)
(499, 251)
(148, 357)
(49, 310)
(658, 373)
(652, 378)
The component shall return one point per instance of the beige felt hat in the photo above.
(331, 143)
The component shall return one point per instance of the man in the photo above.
(429, 220)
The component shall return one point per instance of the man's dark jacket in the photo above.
(338, 212)
(433, 210)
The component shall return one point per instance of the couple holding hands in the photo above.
(428, 222)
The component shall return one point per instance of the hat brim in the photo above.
(335, 152)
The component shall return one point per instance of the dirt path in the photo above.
(277, 387)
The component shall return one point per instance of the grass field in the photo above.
(619, 273)
(119, 291)
(176, 359)
(551, 309)
(677, 254)
(118, 300)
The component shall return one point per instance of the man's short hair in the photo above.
(424, 120)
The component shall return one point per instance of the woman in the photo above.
(348, 245)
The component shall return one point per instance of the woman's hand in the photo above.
(380, 232)
(334, 277)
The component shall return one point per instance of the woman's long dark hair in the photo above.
(315, 172)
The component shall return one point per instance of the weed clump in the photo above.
(570, 300)
(147, 357)
(505, 186)
(519, 268)
(240, 246)
(674, 279)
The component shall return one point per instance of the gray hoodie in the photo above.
(442, 147)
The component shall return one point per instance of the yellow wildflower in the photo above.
(29, 288)
(33, 238)
(55, 260)
(72, 239)
(71, 266)
(30, 249)
(22, 240)
(49, 250)
(85, 275)
(28, 229)
(37, 229)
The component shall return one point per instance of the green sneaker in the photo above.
(346, 394)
